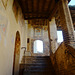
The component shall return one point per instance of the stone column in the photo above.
(66, 22)
(27, 53)
(26, 30)
(24, 34)
(49, 37)
(53, 35)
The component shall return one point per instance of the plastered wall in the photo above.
(9, 25)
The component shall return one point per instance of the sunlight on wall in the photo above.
(38, 46)
(60, 36)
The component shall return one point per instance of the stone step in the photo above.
(28, 57)
(36, 56)
(37, 70)
(42, 59)
(43, 64)
(37, 62)
(36, 65)
(38, 73)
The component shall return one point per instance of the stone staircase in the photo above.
(36, 65)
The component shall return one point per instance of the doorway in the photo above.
(16, 55)
(38, 46)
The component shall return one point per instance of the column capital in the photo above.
(26, 21)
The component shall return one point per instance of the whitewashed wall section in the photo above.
(3, 24)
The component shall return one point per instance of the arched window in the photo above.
(38, 46)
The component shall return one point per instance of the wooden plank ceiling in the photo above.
(37, 9)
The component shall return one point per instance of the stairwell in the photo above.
(36, 65)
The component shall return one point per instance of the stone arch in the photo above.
(16, 54)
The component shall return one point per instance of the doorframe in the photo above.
(15, 51)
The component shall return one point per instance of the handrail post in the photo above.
(24, 56)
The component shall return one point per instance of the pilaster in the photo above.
(66, 22)
(53, 35)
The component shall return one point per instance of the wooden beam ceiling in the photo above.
(43, 5)
(30, 18)
(38, 1)
(32, 5)
(36, 8)
(49, 5)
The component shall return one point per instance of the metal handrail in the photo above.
(24, 56)
(24, 53)
(25, 69)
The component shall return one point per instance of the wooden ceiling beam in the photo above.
(32, 5)
(36, 12)
(21, 5)
(53, 11)
(43, 5)
(26, 2)
(56, 1)
(49, 5)
(27, 9)
(38, 1)
(29, 18)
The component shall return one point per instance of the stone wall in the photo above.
(42, 35)
(64, 60)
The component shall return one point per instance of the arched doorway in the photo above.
(16, 54)
(38, 46)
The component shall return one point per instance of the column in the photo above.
(49, 37)
(26, 31)
(53, 35)
(24, 34)
(66, 22)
